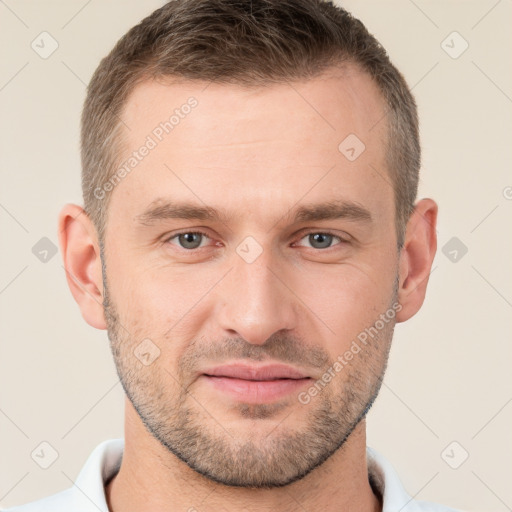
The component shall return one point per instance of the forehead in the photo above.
(260, 147)
(341, 98)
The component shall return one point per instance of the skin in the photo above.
(256, 154)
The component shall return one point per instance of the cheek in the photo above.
(347, 299)
(164, 300)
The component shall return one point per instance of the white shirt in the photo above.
(88, 492)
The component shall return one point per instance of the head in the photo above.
(250, 173)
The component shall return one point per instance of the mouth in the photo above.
(253, 372)
(252, 384)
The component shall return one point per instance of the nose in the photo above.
(255, 300)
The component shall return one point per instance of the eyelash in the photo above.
(303, 235)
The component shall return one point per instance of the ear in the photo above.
(416, 258)
(81, 254)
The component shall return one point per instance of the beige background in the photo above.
(449, 372)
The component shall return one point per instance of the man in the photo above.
(249, 238)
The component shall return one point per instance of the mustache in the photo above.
(281, 347)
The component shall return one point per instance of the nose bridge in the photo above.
(255, 303)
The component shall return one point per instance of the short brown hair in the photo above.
(248, 43)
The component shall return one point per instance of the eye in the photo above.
(320, 240)
(189, 240)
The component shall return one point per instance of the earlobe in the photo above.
(80, 251)
(416, 258)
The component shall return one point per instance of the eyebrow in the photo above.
(160, 210)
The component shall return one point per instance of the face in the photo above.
(245, 236)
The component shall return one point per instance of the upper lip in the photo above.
(250, 372)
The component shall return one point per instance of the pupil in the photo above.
(320, 240)
(190, 240)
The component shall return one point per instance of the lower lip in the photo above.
(256, 391)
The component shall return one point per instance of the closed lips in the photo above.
(273, 372)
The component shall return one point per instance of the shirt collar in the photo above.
(105, 461)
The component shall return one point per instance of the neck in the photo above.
(152, 478)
